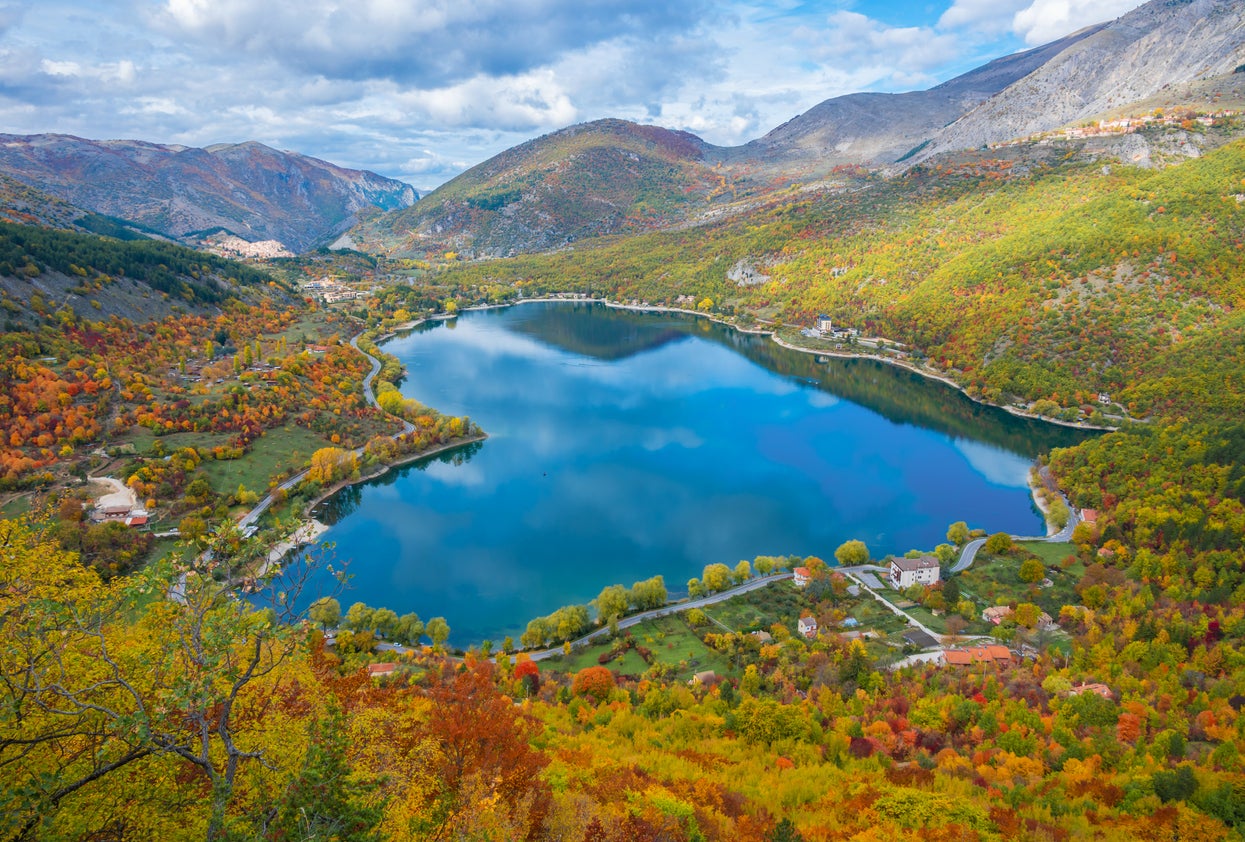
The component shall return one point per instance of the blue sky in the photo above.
(422, 89)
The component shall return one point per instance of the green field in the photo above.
(995, 580)
(673, 642)
(284, 448)
(16, 506)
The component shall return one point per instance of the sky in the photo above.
(420, 90)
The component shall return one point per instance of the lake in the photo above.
(624, 445)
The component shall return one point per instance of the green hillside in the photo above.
(599, 178)
(1048, 281)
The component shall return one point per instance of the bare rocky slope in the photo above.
(249, 189)
(877, 128)
(1162, 44)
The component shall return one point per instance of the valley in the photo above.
(321, 497)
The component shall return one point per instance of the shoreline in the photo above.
(388, 466)
(773, 335)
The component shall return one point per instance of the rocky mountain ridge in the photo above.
(614, 177)
(248, 189)
(1155, 46)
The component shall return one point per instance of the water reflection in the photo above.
(623, 445)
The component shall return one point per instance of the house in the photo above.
(136, 519)
(824, 324)
(1089, 515)
(1104, 398)
(1098, 689)
(763, 636)
(802, 575)
(991, 654)
(119, 512)
(708, 678)
(807, 626)
(906, 572)
(379, 670)
(996, 613)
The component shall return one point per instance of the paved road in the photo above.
(665, 610)
(896, 609)
(368, 392)
(969, 553)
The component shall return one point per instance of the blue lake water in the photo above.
(624, 445)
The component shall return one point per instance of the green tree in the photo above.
(957, 533)
(716, 577)
(325, 801)
(741, 573)
(1032, 570)
(409, 630)
(326, 612)
(359, 617)
(999, 543)
(951, 591)
(611, 603)
(851, 553)
(649, 593)
(785, 831)
(385, 622)
(438, 631)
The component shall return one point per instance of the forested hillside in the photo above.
(1032, 281)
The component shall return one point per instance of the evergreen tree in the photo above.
(324, 803)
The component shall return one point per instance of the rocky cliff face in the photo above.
(1156, 46)
(249, 189)
(874, 128)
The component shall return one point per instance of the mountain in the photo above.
(615, 177)
(878, 128)
(1162, 44)
(248, 189)
(589, 180)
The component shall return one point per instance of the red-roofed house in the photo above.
(1089, 515)
(802, 575)
(378, 670)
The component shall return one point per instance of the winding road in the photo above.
(969, 553)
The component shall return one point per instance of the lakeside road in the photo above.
(969, 554)
(665, 610)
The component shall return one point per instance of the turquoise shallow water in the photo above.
(624, 445)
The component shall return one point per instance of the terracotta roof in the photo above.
(991, 654)
(1089, 515)
(802, 571)
(375, 670)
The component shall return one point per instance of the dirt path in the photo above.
(119, 494)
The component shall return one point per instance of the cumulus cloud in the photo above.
(987, 17)
(1044, 21)
(431, 43)
(854, 39)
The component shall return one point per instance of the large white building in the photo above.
(906, 572)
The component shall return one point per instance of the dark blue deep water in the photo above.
(623, 445)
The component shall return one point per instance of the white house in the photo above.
(807, 626)
(824, 323)
(802, 575)
(906, 572)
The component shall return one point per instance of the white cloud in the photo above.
(985, 17)
(1044, 21)
(854, 38)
